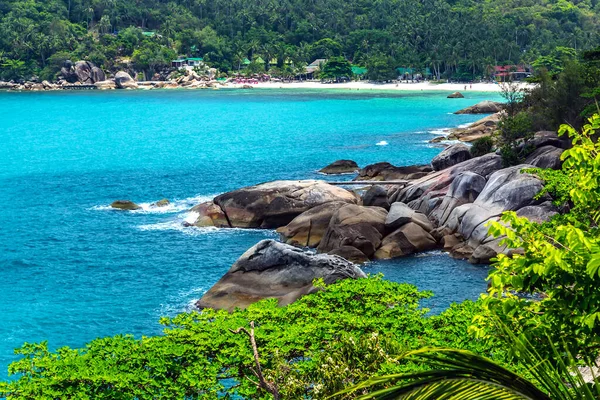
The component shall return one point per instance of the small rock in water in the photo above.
(456, 95)
(161, 203)
(340, 167)
(125, 205)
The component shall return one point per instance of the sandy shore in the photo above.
(421, 86)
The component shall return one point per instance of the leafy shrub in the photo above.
(559, 261)
(313, 347)
(482, 146)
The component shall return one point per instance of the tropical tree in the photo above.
(464, 375)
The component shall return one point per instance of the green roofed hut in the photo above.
(187, 62)
(359, 72)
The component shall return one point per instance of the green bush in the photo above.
(482, 146)
(311, 348)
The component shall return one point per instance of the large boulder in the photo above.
(308, 228)
(207, 215)
(355, 226)
(124, 81)
(506, 190)
(546, 157)
(450, 156)
(410, 238)
(463, 190)
(82, 71)
(274, 204)
(400, 214)
(385, 171)
(484, 107)
(376, 196)
(550, 138)
(340, 167)
(275, 270)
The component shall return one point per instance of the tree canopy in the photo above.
(460, 38)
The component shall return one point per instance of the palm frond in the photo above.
(463, 375)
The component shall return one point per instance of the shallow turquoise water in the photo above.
(71, 270)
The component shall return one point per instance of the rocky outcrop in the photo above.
(83, 72)
(508, 189)
(340, 167)
(450, 156)
(406, 240)
(484, 127)
(456, 95)
(208, 215)
(125, 205)
(308, 228)
(269, 205)
(124, 81)
(400, 214)
(426, 194)
(410, 233)
(484, 107)
(275, 270)
(376, 196)
(546, 157)
(385, 171)
(464, 189)
(106, 85)
(355, 226)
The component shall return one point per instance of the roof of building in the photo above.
(313, 66)
(356, 70)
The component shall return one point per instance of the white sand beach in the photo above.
(420, 86)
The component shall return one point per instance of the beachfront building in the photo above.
(313, 67)
(190, 62)
(503, 73)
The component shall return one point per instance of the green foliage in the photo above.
(314, 347)
(514, 134)
(381, 68)
(463, 375)
(482, 146)
(335, 68)
(554, 62)
(457, 39)
(558, 262)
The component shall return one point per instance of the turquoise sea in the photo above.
(72, 270)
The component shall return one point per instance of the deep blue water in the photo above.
(71, 270)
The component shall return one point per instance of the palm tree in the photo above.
(463, 375)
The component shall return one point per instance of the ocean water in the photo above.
(72, 270)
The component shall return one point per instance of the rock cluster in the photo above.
(268, 205)
(84, 72)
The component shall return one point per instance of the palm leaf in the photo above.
(463, 375)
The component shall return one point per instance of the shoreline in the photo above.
(369, 86)
(307, 85)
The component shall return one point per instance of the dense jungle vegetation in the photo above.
(461, 39)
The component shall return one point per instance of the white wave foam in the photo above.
(462, 126)
(442, 131)
(382, 143)
(175, 206)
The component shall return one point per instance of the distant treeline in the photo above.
(461, 39)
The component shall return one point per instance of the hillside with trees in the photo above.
(460, 39)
